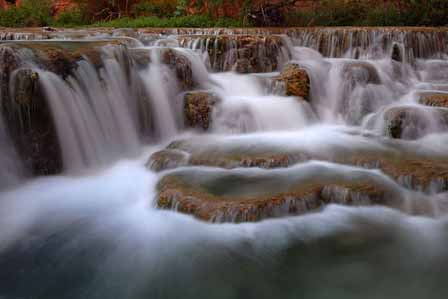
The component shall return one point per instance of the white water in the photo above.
(94, 121)
(99, 235)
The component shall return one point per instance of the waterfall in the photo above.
(245, 107)
(94, 114)
(372, 42)
(11, 172)
(161, 86)
(132, 161)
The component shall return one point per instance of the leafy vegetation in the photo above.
(362, 13)
(193, 21)
(158, 8)
(30, 13)
(174, 13)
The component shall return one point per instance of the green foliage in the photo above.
(70, 18)
(173, 13)
(181, 8)
(384, 17)
(185, 21)
(361, 13)
(155, 8)
(30, 13)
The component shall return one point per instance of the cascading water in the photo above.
(93, 115)
(346, 184)
(161, 85)
(11, 171)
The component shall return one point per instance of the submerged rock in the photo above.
(175, 60)
(413, 122)
(167, 159)
(253, 195)
(294, 81)
(397, 54)
(361, 72)
(182, 65)
(198, 107)
(128, 32)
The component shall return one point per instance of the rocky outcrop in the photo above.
(242, 196)
(61, 57)
(293, 81)
(435, 99)
(397, 159)
(31, 125)
(181, 65)
(25, 84)
(240, 53)
(175, 60)
(198, 106)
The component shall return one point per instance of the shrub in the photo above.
(185, 21)
(30, 13)
(361, 13)
(158, 8)
(70, 18)
(384, 16)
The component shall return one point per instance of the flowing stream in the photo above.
(94, 229)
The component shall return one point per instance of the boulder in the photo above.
(360, 72)
(397, 54)
(294, 81)
(198, 106)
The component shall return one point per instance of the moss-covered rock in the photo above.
(435, 99)
(397, 159)
(253, 195)
(294, 81)
(198, 106)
